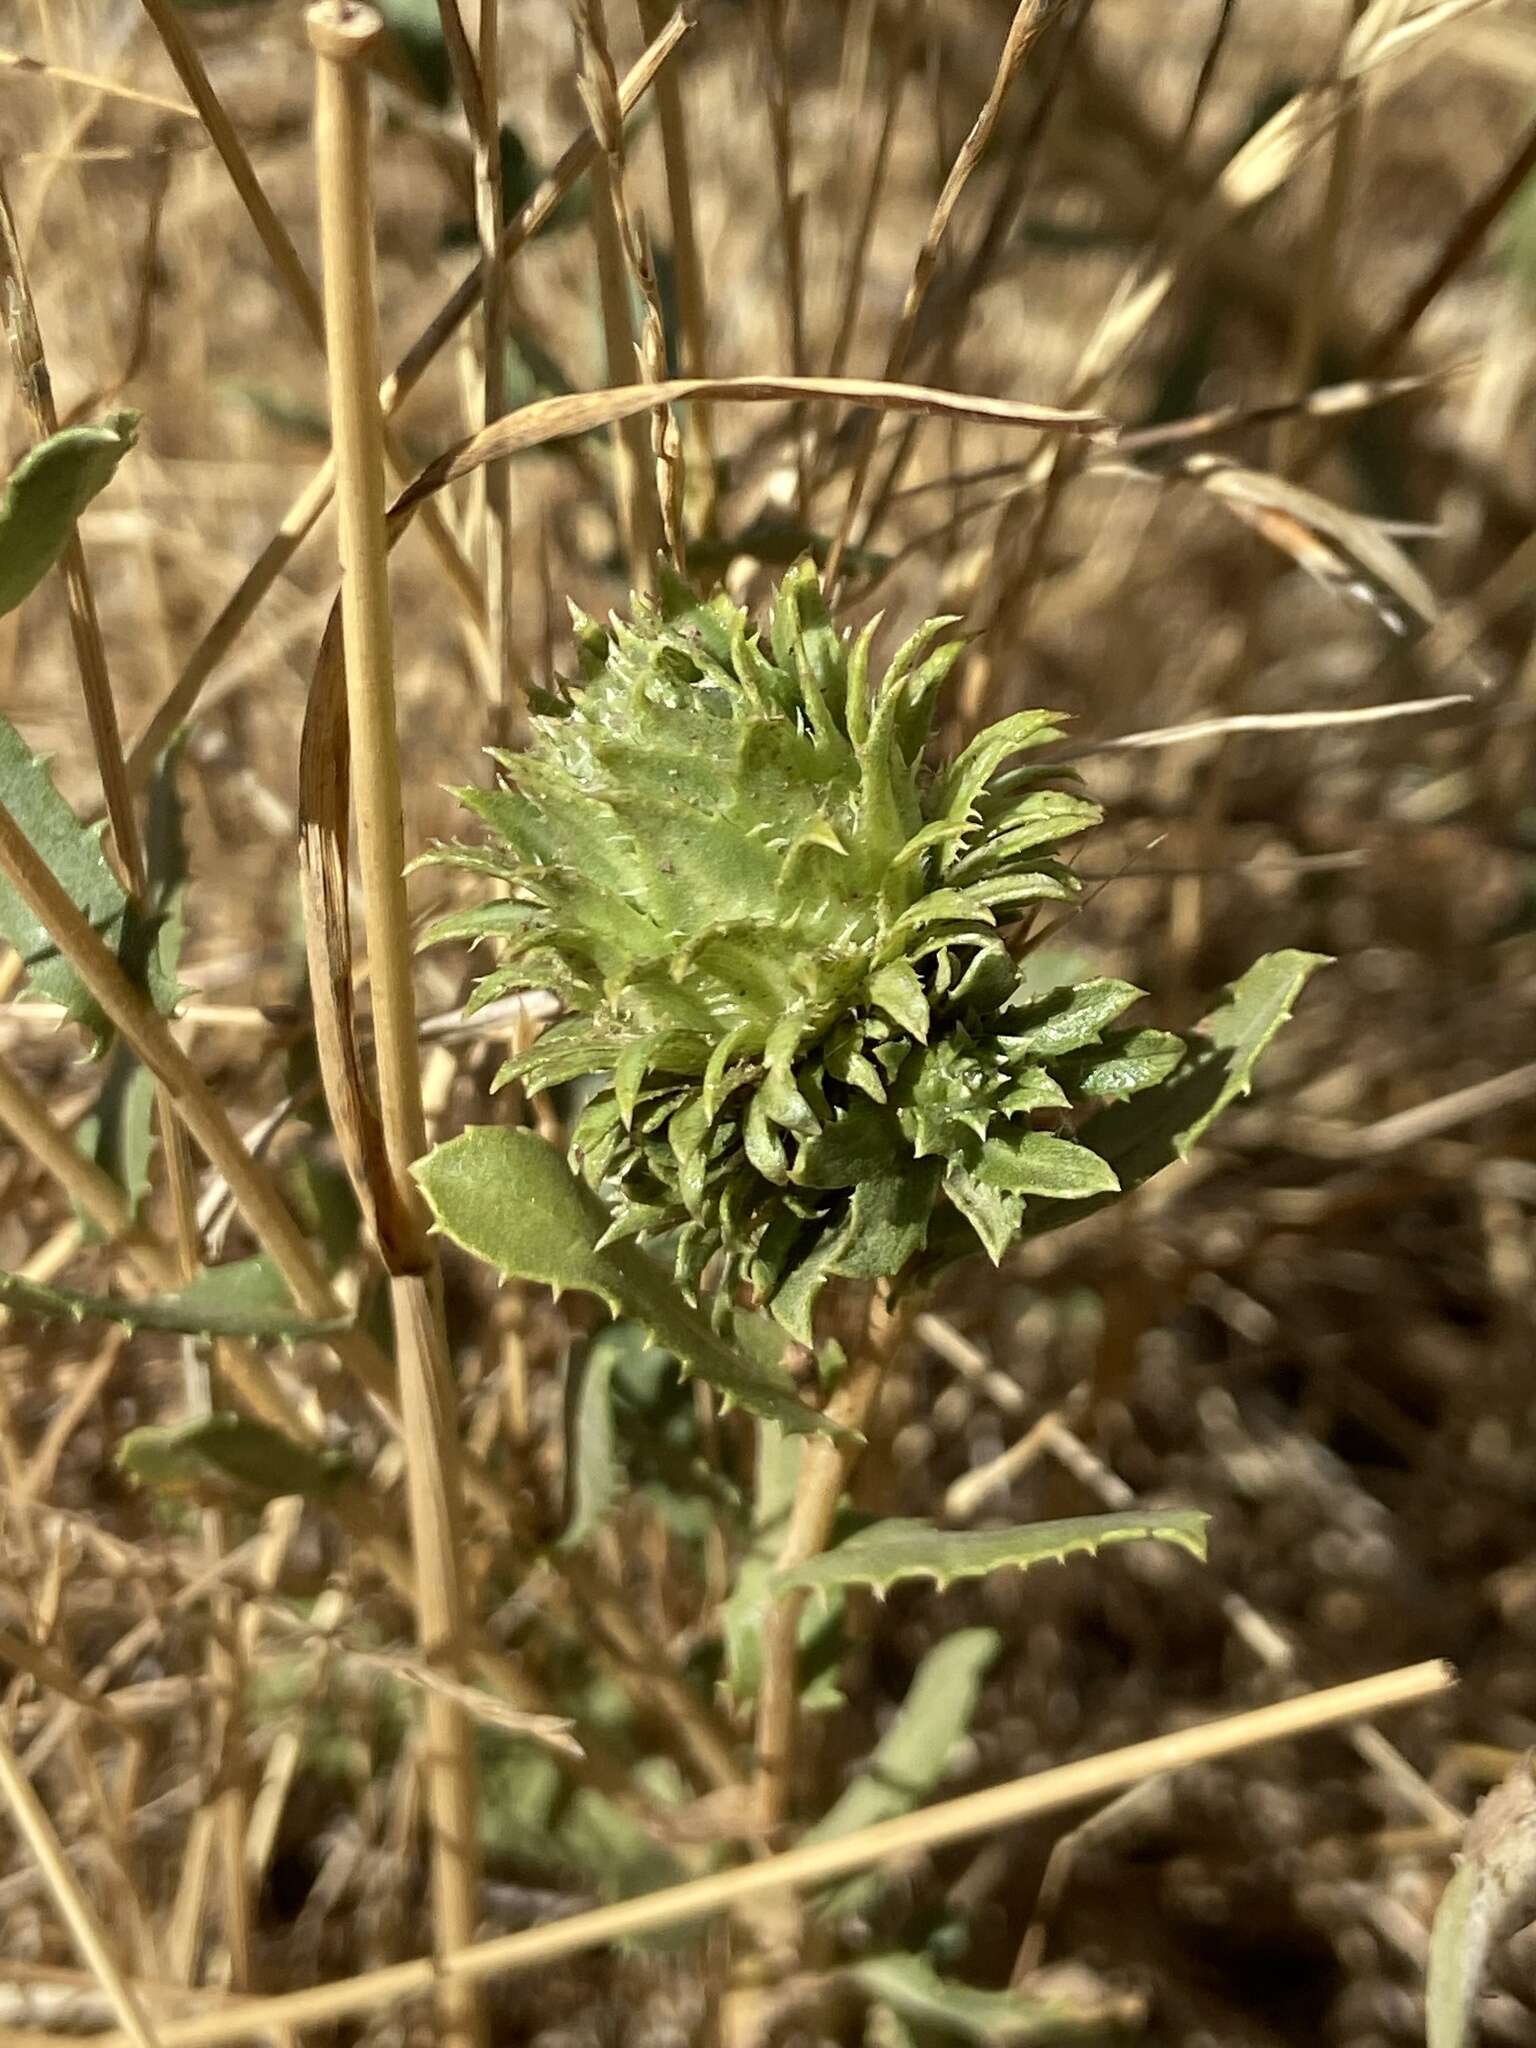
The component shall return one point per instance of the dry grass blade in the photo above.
(281, 252)
(36, 1830)
(1338, 548)
(692, 295)
(242, 605)
(645, 512)
(1268, 721)
(1259, 167)
(552, 419)
(913, 1834)
(88, 81)
(1021, 33)
(325, 812)
(554, 1730)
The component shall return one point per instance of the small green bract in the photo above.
(779, 935)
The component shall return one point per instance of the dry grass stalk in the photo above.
(511, 678)
(856, 254)
(647, 513)
(887, 1842)
(779, 99)
(698, 461)
(1314, 305)
(289, 267)
(1021, 33)
(36, 1830)
(25, 338)
(241, 606)
(88, 81)
(341, 36)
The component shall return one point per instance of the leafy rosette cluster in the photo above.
(778, 934)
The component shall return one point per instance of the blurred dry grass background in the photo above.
(1321, 1331)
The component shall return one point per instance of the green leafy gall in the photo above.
(781, 937)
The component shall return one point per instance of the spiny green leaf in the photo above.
(215, 1456)
(1068, 1018)
(73, 854)
(46, 493)
(511, 1199)
(1122, 1064)
(118, 1135)
(243, 1299)
(966, 777)
(733, 844)
(887, 1552)
(897, 990)
(1143, 1136)
(911, 1986)
(502, 919)
(913, 1754)
(1034, 1163)
(993, 1213)
(167, 863)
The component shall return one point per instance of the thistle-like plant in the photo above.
(783, 939)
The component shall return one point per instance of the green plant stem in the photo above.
(826, 1466)
(341, 36)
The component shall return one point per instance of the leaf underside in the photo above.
(46, 493)
(511, 1199)
(225, 1454)
(72, 852)
(910, 1986)
(912, 1756)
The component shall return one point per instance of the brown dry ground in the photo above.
(1321, 1331)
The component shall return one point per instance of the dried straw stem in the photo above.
(341, 36)
(242, 604)
(1021, 33)
(692, 297)
(645, 516)
(286, 262)
(36, 1830)
(913, 1834)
